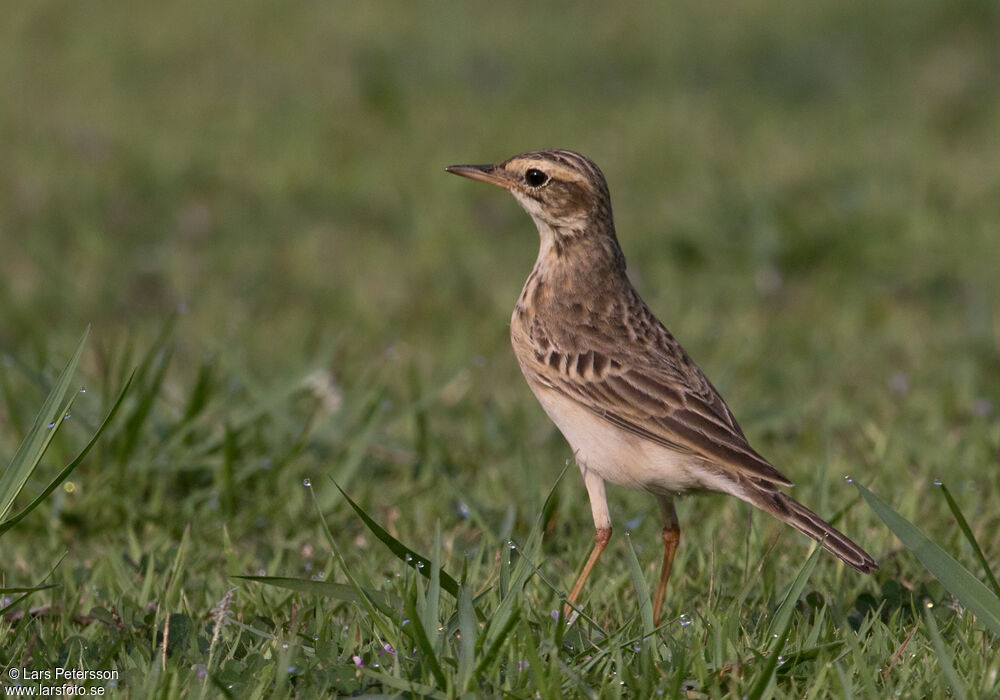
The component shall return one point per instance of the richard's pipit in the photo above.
(634, 407)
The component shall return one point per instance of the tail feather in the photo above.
(790, 511)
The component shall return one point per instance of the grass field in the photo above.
(247, 202)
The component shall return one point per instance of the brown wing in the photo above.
(649, 387)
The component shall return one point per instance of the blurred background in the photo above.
(808, 195)
(276, 171)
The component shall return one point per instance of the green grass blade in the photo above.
(467, 643)
(967, 531)
(433, 599)
(781, 626)
(54, 484)
(944, 657)
(784, 613)
(39, 435)
(767, 671)
(148, 393)
(327, 589)
(493, 650)
(369, 604)
(641, 588)
(417, 561)
(26, 589)
(407, 686)
(175, 586)
(417, 631)
(970, 591)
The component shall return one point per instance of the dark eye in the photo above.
(535, 178)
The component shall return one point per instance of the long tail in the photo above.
(808, 523)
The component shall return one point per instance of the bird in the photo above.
(632, 404)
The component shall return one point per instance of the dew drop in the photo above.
(929, 604)
(83, 390)
(285, 645)
(511, 545)
(409, 558)
(51, 426)
(420, 565)
(685, 620)
(847, 478)
(307, 482)
(937, 482)
(67, 416)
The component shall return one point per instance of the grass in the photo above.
(249, 208)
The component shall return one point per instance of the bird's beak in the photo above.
(486, 173)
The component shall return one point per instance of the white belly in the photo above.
(622, 457)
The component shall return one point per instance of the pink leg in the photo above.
(671, 539)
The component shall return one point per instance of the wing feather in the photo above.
(660, 396)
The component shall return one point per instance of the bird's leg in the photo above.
(671, 538)
(601, 538)
(602, 532)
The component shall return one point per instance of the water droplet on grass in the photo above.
(937, 482)
(83, 390)
(67, 416)
(51, 426)
(307, 482)
(847, 478)
(685, 620)
(420, 565)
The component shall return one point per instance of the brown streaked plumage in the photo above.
(634, 407)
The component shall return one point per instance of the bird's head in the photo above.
(562, 190)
